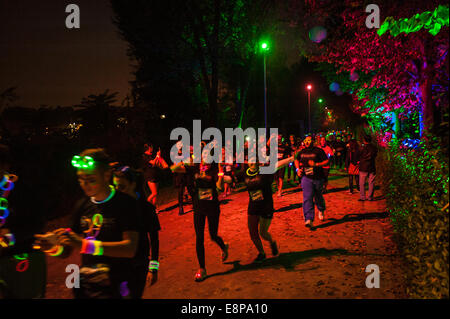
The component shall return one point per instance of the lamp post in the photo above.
(265, 48)
(309, 88)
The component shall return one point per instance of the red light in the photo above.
(309, 87)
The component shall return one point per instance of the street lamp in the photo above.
(309, 88)
(265, 48)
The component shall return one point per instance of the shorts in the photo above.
(267, 214)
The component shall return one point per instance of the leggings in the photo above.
(213, 226)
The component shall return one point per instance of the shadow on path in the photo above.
(286, 208)
(352, 218)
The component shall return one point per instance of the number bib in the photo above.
(309, 171)
(256, 195)
(205, 194)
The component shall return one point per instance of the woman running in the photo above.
(260, 209)
(128, 181)
(150, 165)
(206, 206)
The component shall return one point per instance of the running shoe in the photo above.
(309, 223)
(274, 247)
(225, 252)
(259, 258)
(200, 275)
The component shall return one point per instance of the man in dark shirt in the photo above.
(105, 230)
(309, 164)
(367, 168)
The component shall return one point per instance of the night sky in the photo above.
(52, 65)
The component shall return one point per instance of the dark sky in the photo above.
(53, 65)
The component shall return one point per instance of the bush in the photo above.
(416, 184)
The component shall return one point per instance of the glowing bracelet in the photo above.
(154, 265)
(21, 256)
(8, 188)
(113, 191)
(11, 240)
(220, 174)
(56, 252)
(83, 246)
(4, 213)
(3, 203)
(98, 248)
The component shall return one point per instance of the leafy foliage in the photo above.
(416, 184)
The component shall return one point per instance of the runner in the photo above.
(128, 181)
(309, 163)
(326, 169)
(283, 153)
(206, 206)
(150, 165)
(105, 229)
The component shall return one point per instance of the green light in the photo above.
(82, 162)
(320, 100)
(264, 46)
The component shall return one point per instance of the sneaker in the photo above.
(361, 200)
(225, 252)
(200, 275)
(350, 192)
(370, 199)
(309, 223)
(259, 258)
(181, 211)
(321, 215)
(279, 195)
(274, 247)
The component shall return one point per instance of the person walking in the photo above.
(367, 169)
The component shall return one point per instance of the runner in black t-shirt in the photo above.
(105, 228)
(309, 164)
(260, 208)
(206, 206)
(22, 270)
(151, 164)
(128, 181)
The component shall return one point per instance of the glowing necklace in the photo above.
(250, 174)
(113, 191)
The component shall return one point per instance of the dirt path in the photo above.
(328, 262)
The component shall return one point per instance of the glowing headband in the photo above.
(83, 161)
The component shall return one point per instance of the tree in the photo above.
(406, 67)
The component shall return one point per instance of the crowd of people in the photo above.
(115, 225)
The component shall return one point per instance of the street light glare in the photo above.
(320, 100)
(264, 45)
(309, 87)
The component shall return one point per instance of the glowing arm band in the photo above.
(55, 251)
(153, 266)
(91, 247)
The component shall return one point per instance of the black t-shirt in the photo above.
(206, 199)
(148, 223)
(119, 214)
(317, 155)
(150, 171)
(259, 189)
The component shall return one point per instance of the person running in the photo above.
(128, 181)
(23, 271)
(352, 164)
(228, 171)
(260, 209)
(105, 230)
(309, 164)
(150, 165)
(339, 152)
(326, 169)
(206, 207)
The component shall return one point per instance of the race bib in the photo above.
(256, 195)
(205, 194)
(309, 171)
